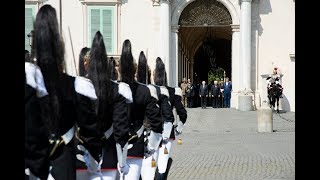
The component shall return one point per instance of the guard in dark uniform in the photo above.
(36, 132)
(178, 109)
(68, 100)
(86, 165)
(115, 126)
(168, 134)
(80, 151)
(112, 118)
(144, 105)
(151, 157)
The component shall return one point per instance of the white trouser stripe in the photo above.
(163, 158)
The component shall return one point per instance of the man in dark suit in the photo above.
(203, 93)
(227, 88)
(215, 94)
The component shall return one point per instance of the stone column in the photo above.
(245, 47)
(165, 35)
(245, 97)
(174, 54)
(188, 72)
(236, 75)
(182, 64)
(191, 70)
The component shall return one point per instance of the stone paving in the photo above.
(224, 144)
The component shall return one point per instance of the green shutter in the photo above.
(101, 19)
(107, 29)
(29, 19)
(94, 23)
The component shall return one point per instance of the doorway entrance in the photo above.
(204, 40)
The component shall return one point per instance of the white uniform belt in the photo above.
(140, 131)
(108, 133)
(68, 135)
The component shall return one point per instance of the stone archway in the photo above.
(191, 19)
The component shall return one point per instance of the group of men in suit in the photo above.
(220, 95)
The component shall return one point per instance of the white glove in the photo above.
(148, 152)
(179, 127)
(92, 165)
(122, 158)
(124, 169)
(83, 150)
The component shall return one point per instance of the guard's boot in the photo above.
(168, 168)
(160, 176)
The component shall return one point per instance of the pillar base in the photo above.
(265, 119)
(245, 100)
(245, 103)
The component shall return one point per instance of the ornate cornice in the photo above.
(97, 2)
(245, 1)
(205, 12)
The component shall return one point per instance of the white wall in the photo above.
(72, 17)
(276, 42)
(140, 23)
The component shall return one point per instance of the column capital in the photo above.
(155, 2)
(158, 2)
(235, 27)
(175, 28)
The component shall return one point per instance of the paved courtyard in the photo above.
(225, 144)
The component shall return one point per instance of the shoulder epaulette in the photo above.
(164, 91)
(35, 79)
(153, 91)
(177, 91)
(125, 91)
(84, 87)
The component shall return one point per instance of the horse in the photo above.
(274, 94)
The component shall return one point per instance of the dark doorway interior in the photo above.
(222, 54)
(202, 65)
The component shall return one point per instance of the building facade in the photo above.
(251, 37)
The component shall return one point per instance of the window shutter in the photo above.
(107, 26)
(28, 19)
(94, 23)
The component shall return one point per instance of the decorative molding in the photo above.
(99, 2)
(205, 12)
(35, 2)
(155, 2)
(245, 1)
(175, 28)
(235, 27)
(292, 57)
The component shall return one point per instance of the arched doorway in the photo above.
(205, 36)
(221, 19)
